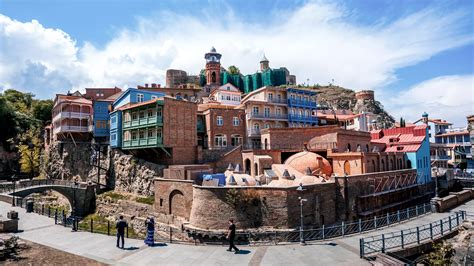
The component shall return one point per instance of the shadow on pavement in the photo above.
(159, 245)
(243, 252)
(131, 248)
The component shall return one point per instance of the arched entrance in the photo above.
(177, 204)
(247, 166)
(256, 169)
(347, 168)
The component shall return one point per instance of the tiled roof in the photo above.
(403, 148)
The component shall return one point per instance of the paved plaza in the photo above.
(42, 230)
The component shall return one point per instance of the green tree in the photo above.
(20, 101)
(8, 122)
(42, 110)
(29, 147)
(234, 70)
(442, 254)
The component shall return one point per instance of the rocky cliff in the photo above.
(119, 171)
(335, 97)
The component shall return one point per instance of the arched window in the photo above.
(348, 147)
(220, 140)
(213, 77)
(347, 168)
(383, 165)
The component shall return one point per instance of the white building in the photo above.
(226, 94)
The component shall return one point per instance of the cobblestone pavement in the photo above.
(341, 251)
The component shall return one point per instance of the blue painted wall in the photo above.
(421, 161)
(299, 103)
(129, 96)
(116, 129)
(101, 114)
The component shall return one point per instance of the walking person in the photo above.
(150, 231)
(231, 236)
(120, 226)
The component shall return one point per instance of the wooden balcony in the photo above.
(142, 143)
(143, 122)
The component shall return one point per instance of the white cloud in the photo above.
(315, 41)
(447, 97)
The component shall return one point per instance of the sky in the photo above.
(418, 56)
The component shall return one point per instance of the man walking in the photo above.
(121, 225)
(231, 236)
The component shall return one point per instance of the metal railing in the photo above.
(410, 237)
(268, 116)
(9, 187)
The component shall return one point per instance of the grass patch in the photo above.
(103, 226)
(146, 200)
(114, 196)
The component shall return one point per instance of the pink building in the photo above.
(72, 117)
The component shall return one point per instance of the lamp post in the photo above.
(436, 181)
(301, 200)
(13, 181)
(73, 214)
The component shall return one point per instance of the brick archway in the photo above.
(177, 203)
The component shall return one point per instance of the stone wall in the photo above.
(253, 207)
(452, 200)
(132, 175)
(68, 159)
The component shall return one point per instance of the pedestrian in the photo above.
(120, 226)
(231, 236)
(150, 231)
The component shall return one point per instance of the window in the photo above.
(306, 113)
(222, 97)
(142, 114)
(278, 111)
(228, 88)
(256, 126)
(220, 141)
(236, 140)
(150, 112)
(151, 133)
(126, 135)
(235, 121)
(134, 116)
(267, 125)
(141, 134)
(113, 120)
(270, 96)
(159, 132)
(220, 121)
(140, 97)
(267, 111)
(113, 137)
(255, 110)
(134, 135)
(279, 97)
(154, 97)
(158, 111)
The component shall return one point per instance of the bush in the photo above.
(100, 225)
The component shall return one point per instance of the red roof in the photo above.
(403, 148)
(400, 139)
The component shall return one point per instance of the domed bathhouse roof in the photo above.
(317, 164)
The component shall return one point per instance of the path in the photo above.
(42, 230)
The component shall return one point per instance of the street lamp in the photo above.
(301, 200)
(13, 181)
(435, 170)
(73, 214)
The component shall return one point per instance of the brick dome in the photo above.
(317, 164)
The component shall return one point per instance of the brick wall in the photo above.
(228, 129)
(179, 130)
(264, 206)
(173, 197)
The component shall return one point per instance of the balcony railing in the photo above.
(305, 103)
(71, 129)
(281, 101)
(267, 116)
(253, 132)
(139, 143)
(77, 115)
(146, 121)
(440, 157)
(302, 118)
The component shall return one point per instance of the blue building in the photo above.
(101, 119)
(128, 97)
(414, 142)
(302, 108)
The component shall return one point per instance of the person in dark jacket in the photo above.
(231, 236)
(120, 226)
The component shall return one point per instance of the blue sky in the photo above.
(401, 49)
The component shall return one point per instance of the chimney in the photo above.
(153, 85)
